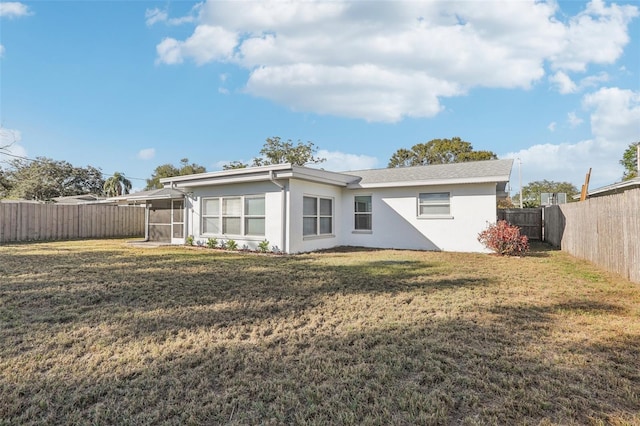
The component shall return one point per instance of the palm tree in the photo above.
(117, 185)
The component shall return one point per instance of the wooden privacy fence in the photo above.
(603, 230)
(40, 222)
(529, 221)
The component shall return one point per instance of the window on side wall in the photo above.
(233, 216)
(362, 209)
(317, 216)
(431, 204)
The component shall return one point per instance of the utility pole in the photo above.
(520, 179)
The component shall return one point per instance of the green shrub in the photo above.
(263, 246)
(504, 239)
(232, 245)
(212, 242)
(189, 241)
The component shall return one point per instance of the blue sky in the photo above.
(127, 86)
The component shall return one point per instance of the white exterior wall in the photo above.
(273, 212)
(395, 221)
(299, 243)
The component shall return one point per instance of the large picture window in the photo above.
(434, 204)
(233, 216)
(362, 208)
(317, 215)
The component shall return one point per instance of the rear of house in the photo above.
(301, 209)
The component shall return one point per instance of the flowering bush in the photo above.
(504, 239)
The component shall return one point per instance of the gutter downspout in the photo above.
(283, 209)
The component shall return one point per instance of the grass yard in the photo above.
(99, 332)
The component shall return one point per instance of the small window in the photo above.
(211, 216)
(434, 204)
(254, 216)
(362, 210)
(317, 216)
(231, 216)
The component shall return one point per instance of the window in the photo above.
(254, 216)
(317, 216)
(233, 216)
(211, 216)
(362, 210)
(434, 204)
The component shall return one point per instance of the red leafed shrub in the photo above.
(504, 239)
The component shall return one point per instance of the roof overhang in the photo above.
(431, 182)
(154, 194)
(615, 188)
(259, 174)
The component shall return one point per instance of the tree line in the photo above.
(44, 178)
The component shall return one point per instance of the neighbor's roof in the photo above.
(615, 188)
(469, 172)
(154, 194)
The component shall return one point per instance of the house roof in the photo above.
(256, 174)
(615, 188)
(154, 194)
(469, 172)
(497, 171)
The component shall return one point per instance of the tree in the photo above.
(235, 165)
(169, 170)
(44, 179)
(531, 192)
(438, 151)
(117, 185)
(275, 151)
(630, 161)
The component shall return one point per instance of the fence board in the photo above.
(39, 222)
(603, 230)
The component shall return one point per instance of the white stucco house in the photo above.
(301, 209)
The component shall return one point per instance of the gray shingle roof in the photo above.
(476, 171)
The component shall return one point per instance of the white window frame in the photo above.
(246, 216)
(219, 216)
(436, 202)
(357, 213)
(318, 216)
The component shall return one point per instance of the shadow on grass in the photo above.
(230, 339)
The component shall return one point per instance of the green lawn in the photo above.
(99, 332)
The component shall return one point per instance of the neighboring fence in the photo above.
(603, 230)
(529, 221)
(39, 222)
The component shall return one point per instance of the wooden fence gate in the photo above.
(529, 221)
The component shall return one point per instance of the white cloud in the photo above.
(341, 161)
(574, 120)
(387, 62)
(12, 9)
(563, 83)
(10, 144)
(1, 51)
(155, 15)
(147, 154)
(552, 126)
(614, 119)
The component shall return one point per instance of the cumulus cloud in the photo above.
(552, 126)
(341, 161)
(614, 115)
(12, 9)
(147, 154)
(387, 62)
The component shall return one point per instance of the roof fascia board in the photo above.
(430, 182)
(225, 173)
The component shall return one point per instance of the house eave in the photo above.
(429, 182)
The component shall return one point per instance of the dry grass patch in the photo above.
(101, 332)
